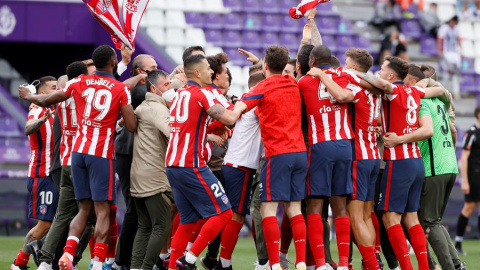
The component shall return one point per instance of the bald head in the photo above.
(62, 80)
(320, 55)
(142, 63)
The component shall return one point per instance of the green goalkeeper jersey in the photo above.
(438, 152)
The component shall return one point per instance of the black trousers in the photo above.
(130, 221)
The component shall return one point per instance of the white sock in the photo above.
(97, 265)
(323, 267)
(190, 258)
(458, 238)
(110, 260)
(163, 256)
(300, 264)
(275, 266)
(396, 268)
(189, 245)
(283, 255)
(225, 263)
(70, 256)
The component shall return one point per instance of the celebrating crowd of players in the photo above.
(314, 132)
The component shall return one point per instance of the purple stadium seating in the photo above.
(251, 40)
(325, 9)
(413, 9)
(232, 21)
(468, 83)
(232, 39)
(411, 28)
(251, 6)
(213, 21)
(233, 5)
(289, 40)
(428, 45)
(344, 42)
(284, 5)
(252, 22)
(269, 6)
(289, 25)
(9, 127)
(361, 42)
(235, 58)
(269, 38)
(194, 18)
(345, 27)
(328, 25)
(330, 42)
(214, 37)
(468, 66)
(271, 23)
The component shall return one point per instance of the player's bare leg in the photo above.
(342, 225)
(36, 233)
(102, 233)
(315, 231)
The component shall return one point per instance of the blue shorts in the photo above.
(238, 186)
(198, 193)
(401, 185)
(42, 199)
(364, 175)
(93, 177)
(330, 171)
(283, 177)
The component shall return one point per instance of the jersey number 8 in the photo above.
(412, 111)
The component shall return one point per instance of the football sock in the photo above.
(229, 239)
(91, 245)
(376, 225)
(71, 246)
(175, 224)
(271, 233)
(179, 242)
(212, 227)
(369, 258)
(112, 243)
(100, 251)
(342, 227)
(315, 238)
(419, 244)
(461, 225)
(399, 245)
(22, 258)
(299, 232)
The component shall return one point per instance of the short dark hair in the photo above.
(191, 61)
(454, 18)
(434, 4)
(137, 62)
(477, 111)
(255, 79)
(321, 54)
(334, 62)
(43, 80)
(361, 57)
(188, 51)
(303, 58)
(102, 56)
(76, 69)
(292, 62)
(229, 77)
(216, 61)
(255, 68)
(415, 71)
(399, 66)
(429, 72)
(153, 76)
(276, 57)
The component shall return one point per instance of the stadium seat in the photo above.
(251, 6)
(213, 21)
(252, 22)
(269, 6)
(214, 37)
(195, 37)
(428, 45)
(476, 29)
(212, 50)
(345, 27)
(157, 4)
(195, 19)
(175, 5)
(175, 52)
(477, 47)
(466, 30)
(194, 5)
(232, 21)
(446, 11)
(232, 39)
(468, 83)
(468, 66)
(175, 36)
(477, 66)
(325, 9)
(344, 42)
(269, 39)
(289, 40)
(468, 49)
(271, 22)
(233, 5)
(330, 42)
(411, 28)
(328, 25)
(154, 17)
(235, 58)
(175, 18)
(362, 42)
(284, 5)
(251, 40)
(289, 25)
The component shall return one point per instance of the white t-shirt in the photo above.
(450, 38)
(245, 148)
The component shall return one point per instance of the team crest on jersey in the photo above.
(408, 90)
(102, 7)
(43, 209)
(225, 199)
(131, 5)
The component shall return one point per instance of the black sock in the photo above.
(461, 225)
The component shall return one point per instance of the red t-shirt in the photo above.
(278, 102)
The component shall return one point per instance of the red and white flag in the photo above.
(123, 29)
(303, 9)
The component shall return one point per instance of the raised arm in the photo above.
(377, 82)
(34, 124)
(342, 95)
(424, 132)
(224, 116)
(314, 32)
(129, 117)
(133, 81)
(42, 100)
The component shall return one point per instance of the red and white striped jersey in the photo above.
(68, 119)
(188, 126)
(328, 120)
(98, 99)
(41, 145)
(400, 115)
